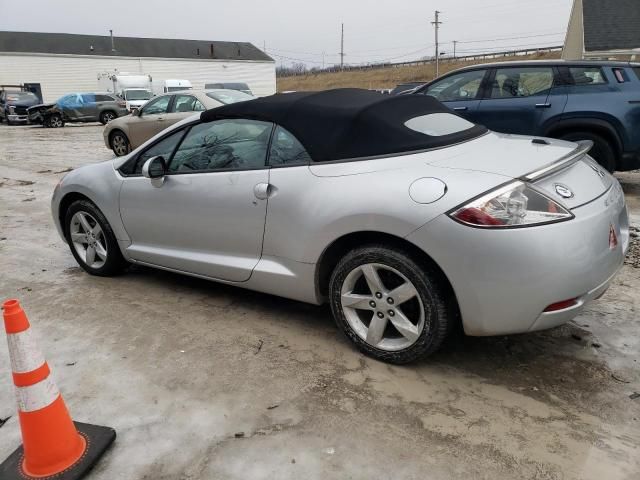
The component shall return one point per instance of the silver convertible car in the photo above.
(406, 218)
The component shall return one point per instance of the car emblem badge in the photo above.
(563, 190)
(613, 238)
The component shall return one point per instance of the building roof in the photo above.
(66, 43)
(611, 25)
(348, 123)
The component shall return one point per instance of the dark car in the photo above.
(14, 104)
(569, 100)
(406, 87)
(240, 86)
(79, 107)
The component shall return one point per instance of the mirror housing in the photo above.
(155, 169)
(135, 112)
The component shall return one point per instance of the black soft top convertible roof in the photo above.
(347, 123)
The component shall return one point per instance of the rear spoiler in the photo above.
(563, 162)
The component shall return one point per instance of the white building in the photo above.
(64, 63)
(603, 29)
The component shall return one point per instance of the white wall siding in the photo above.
(60, 74)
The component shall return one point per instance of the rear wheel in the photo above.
(106, 117)
(92, 241)
(389, 306)
(119, 143)
(602, 150)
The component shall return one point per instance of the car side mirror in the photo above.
(135, 112)
(155, 169)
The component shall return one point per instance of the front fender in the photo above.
(101, 184)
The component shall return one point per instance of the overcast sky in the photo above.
(298, 30)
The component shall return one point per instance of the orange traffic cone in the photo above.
(53, 446)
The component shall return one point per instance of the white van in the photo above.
(176, 85)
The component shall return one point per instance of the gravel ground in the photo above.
(205, 381)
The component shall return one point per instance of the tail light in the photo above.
(554, 307)
(517, 204)
(122, 104)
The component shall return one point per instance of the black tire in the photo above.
(438, 317)
(54, 121)
(107, 116)
(115, 262)
(602, 151)
(119, 143)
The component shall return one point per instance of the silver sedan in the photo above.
(405, 218)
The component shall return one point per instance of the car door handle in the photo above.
(160, 119)
(460, 109)
(262, 191)
(543, 105)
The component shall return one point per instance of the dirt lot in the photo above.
(203, 381)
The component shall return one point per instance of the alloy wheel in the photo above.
(107, 117)
(55, 121)
(88, 239)
(119, 145)
(382, 306)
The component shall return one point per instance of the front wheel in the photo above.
(392, 308)
(54, 121)
(92, 241)
(119, 143)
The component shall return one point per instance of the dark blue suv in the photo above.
(570, 100)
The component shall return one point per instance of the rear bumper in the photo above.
(505, 279)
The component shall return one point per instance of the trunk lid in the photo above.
(555, 167)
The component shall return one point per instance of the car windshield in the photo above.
(229, 96)
(137, 95)
(20, 96)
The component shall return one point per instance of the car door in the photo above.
(89, 108)
(151, 120)
(207, 218)
(519, 99)
(183, 107)
(459, 91)
(71, 107)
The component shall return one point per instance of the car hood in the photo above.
(43, 105)
(21, 104)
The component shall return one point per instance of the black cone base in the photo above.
(98, 440)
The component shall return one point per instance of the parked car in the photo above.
(406, 87)
(78, 107)
(403, 216)
(240, 86)
(129, 132)
(14, 104)
(570, 100)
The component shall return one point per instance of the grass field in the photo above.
(387, 77)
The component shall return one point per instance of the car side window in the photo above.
(187, 103)
(522, 82)
(157, 106)
(88, 98)
(462, 86)
(223, 145)
(163, 148)
(286, 149)
(587, 76)
(104, 98)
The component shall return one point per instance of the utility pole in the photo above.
(342, 48)
(322, 60)
(264, 46)
(455, 42)
(113, 46)
(437, 24)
